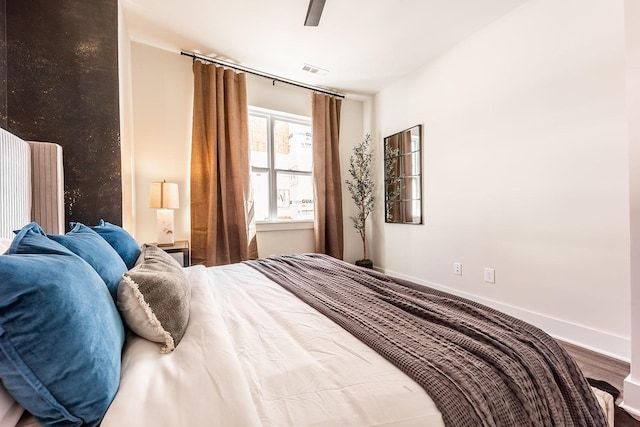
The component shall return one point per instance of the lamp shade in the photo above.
(164, 195)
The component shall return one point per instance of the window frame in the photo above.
(271, 117)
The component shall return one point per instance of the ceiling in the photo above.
(364, 44)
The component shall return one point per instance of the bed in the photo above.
(301, 340)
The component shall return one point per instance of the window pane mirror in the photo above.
(403, 176)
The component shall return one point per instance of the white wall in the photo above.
(126, 123)
(162, 114)
(526, 170)
(632, 29)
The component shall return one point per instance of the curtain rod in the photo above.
(259, 73)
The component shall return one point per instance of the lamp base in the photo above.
(165, 227)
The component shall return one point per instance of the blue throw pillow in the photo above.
(61, 335)
(89, 246)
(120, 240)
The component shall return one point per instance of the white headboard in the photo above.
(31, 185)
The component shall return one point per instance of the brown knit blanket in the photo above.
(481, 367)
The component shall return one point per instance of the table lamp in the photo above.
(164, 198)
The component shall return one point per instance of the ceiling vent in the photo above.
(315, 70)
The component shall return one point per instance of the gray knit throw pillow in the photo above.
(154, 298)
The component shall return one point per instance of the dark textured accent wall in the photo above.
(62, 86)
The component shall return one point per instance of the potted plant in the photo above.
(362, 188)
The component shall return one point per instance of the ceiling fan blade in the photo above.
(314, 13)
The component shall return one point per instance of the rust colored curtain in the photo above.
(221, 203)
(327, 183)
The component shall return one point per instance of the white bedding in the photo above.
(10, 410)
(253, 354)
(4, 245)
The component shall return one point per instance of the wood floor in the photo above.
(599, 367)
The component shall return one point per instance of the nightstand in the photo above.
(179, 247)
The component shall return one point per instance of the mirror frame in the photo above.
(403, 176)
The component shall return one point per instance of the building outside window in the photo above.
(281, 162)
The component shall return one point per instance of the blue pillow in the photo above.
(89, 246)
(120, 240)
(61, 335)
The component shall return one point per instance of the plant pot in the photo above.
(367, 263)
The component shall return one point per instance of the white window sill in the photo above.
(284, 225)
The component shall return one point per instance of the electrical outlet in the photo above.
(489, 275)
(457, 268)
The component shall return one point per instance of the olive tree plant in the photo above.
(362, 190)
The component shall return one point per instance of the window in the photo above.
(281, 161)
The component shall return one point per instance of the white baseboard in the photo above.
(592, 339)
(631, 397)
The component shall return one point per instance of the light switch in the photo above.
(489, 275)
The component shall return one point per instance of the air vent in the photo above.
(315, 70)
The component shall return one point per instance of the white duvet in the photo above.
(253, 354)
